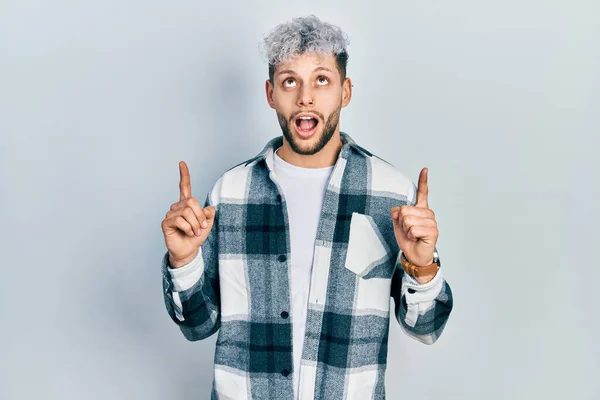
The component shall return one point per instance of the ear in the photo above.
(269, 93)
(346, 92)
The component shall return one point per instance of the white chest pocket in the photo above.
(368, 253)
(368, 257)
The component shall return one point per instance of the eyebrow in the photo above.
(289, 71)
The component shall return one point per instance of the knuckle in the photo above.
(191, 217)
(191, 202)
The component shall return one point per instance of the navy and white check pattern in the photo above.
(238, 284)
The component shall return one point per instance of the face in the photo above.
(307, 94)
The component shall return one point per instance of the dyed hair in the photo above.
(305, 35)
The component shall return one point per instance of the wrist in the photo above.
(178, 263)
(422, 273)
(429, 262)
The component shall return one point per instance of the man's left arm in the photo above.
(422, 303)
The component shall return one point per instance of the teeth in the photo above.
(306, 117)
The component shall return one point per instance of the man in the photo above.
(297, 251)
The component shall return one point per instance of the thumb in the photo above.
(209, 212)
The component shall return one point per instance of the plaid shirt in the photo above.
(239, 283)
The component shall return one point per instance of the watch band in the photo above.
(417, 271)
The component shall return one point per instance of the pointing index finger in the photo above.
(422, 190)
(185, 187)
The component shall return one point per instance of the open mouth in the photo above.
(306, 125)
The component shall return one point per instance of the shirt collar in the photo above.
(268, 151)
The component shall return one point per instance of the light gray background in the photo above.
(99, 100)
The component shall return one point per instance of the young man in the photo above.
(297, 251)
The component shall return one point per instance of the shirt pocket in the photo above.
(368, 255)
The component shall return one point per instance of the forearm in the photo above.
(424, 309)
(422, 306)
(192, 298)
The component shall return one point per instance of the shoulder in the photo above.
(387, 179)
(232, 185)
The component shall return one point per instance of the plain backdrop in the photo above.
(99, 101)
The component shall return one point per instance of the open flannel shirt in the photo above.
(239, 283)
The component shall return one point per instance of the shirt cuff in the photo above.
(416, 292)
(188, 275)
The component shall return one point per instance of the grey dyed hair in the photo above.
(305, 35)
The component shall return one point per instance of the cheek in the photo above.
(330, 99)
(284, 101)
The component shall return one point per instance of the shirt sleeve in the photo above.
(421, 309)
(191, 292)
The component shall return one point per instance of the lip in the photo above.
(306, 115)
(306, 134)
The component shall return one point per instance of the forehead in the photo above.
(307, 62)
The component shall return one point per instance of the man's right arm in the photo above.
(190, 266)
(191, 292)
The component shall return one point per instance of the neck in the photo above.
(326, 157)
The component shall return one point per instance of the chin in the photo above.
(306, 145)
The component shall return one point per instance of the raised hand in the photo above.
(415, 226)
(187, 225)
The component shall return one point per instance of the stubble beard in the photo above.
(326, 135)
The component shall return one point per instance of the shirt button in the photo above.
(285, 372)
(282, 258)
(284, 314)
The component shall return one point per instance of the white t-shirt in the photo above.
(304, 191)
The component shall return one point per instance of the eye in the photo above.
(322, 80)
(289, 82)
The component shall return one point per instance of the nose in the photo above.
(305, 96)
